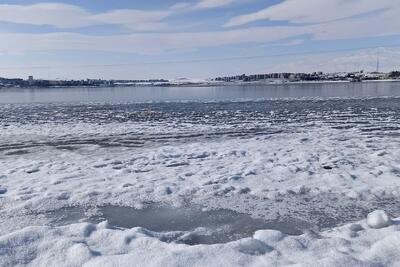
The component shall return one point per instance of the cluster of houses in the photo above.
(315, 76)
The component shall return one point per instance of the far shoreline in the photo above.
(205, 84)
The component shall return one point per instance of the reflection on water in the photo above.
(228, 93)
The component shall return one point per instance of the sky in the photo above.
(137, 39)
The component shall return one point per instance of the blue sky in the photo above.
(198, 39)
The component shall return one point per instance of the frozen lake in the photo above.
(222, 93)
(221, 163)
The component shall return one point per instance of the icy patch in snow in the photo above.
(191, 225)
(3, 190)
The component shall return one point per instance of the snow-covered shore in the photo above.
(87, 244)
(324, 163)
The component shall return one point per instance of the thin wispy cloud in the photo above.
(69, 16)
(315, 11)
(134, 19)
(150, 43)
(213, 3)
(142, 43)
(55, 14)
(66, 16)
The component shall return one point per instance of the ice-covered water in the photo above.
(264, 163)
(221, 163)
(133, 125)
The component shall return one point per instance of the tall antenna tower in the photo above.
(377, 61)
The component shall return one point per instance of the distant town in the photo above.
(270, 78)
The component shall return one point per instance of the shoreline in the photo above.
(206, 84)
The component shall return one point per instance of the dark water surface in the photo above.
(213, 93)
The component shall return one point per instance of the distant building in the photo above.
(30, 80)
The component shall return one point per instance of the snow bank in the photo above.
(98, 245)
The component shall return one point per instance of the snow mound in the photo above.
(87, 244)
(378, 219)
(269, 236)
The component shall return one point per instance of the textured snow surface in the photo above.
(322, 163)
(312, 174)
(98, 245)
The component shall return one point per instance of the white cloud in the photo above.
(181, 6)
(382, 24)
(134, 19)
(332, 19)
(70, 16)
(213, 3)
(155, 43)
(142, 43)
(59, 15)
(315, 11)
